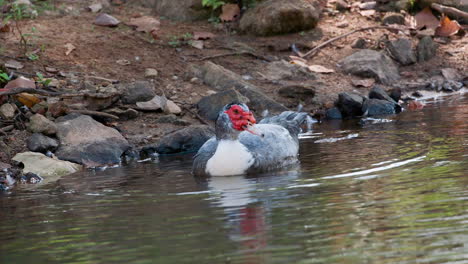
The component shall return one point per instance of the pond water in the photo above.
(391, 190)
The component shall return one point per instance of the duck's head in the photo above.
(233, 119)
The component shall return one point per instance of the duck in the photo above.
(243, 146)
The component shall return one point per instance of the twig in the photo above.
(450, 11)
(314, 50)
(94, 113)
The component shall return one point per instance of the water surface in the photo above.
(390, 190)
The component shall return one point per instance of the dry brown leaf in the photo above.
(363, 83)
(146, 24)
(230, 12)
(5, 27)
(426, 19)
(319, 69)
(28, 99)
(202, 35)
(447, 27)
(301, 63)
(415, 105)
(70, 47)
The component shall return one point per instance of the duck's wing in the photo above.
(203, 155)
(290, 120)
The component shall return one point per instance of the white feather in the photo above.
(230, 158)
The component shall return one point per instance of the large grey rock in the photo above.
(40, 143)
(376, 107)
(189, 139)
(402, 51)
(222, 79)
(183, 10)
(209, 106)
(7, 111)
(350, 104)
(426, 49)
(139, 91)
(44, 166)
(279, 17)
(283, 70)
(86, 141)
(40, 124)
(371, 63)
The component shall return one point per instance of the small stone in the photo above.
(54, 83)
(402, 51)
(40, 143)
(7, 111)
(198, 44)
(172, 119)
(426, 49)
(393, 18)
(12, 64)
(342, 5)
(194, 79)
(172, 108)
(40, 124)
(359, 43)
(40, 108)
(126, 114)
(157, 103)
(350, 104)
(139, 91)
(333, 113)
(95, 7)
(150, 72)
(106, 20)
(376, 107)
(342, 24)
(51, 70)
(175, 78)
(378, 92)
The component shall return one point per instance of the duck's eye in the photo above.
(236, 111)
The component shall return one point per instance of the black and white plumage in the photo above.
(241, 146)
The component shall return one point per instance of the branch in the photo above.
(314, 50)
(453, 12)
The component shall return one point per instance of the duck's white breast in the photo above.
(230, 158)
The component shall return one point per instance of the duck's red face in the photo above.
(241, 120)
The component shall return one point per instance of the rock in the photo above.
(279, 17)
(96, 7)
(298, 92)
(395, 94)
(402, 51)
(359, 43)
(210, 106)
(350, 104)
(182, 10)
(426, 49)
(44, 166)
(393, 19)
(333, 113)
(451, 74)
(342, 5)
(394, 5)
(86, 141)
(172, 108)
(378, 93)
(40, 108)
(150, 73)
(189, 139)
(20, 82)
(139, 91)
(157, 103)
(13, 64)
(57, 109)
(123, 114)
(40, 143)
(7, 111)
(102, 98)
(172, 119)
(222, 79)
(370, 63)
(106, 20)
(376, 107)
(283, 70)
(40, 124)
(342, 24)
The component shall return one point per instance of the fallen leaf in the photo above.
(363, 83)
(70, 47)
(196, 44)
(230, 12)
(106, 20)
(28, 99)
(146, 24)
(5, 27)
(415, 105)
(202, 35)
(426, 19)
(300, 62)
(367, 13)
(296, 58)
(447, 27)
(319, 69)
(12, 64)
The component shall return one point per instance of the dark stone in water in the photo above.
(378, 93)
(189, 139)
(350, 104)
(376, 107)
(333, 113)
(395, 94)
(417, 94)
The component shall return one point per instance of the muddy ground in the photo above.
(98, 50)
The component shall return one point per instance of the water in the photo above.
(392, 190)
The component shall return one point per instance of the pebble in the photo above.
(150, 72)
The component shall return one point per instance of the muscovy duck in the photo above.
(241, 146)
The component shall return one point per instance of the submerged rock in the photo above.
(189, 139)
(333, 113)
(377, 107)
(371, 63)
(350, 104)
(86, 141)
(279, 17)
(44, 166)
